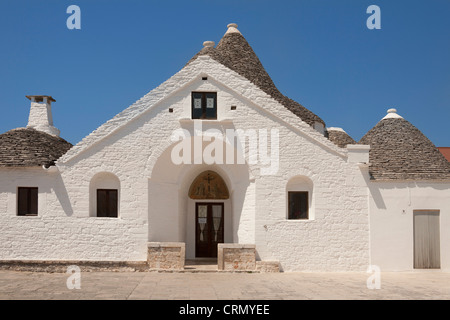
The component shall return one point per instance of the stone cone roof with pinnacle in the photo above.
(25, 147)
(398, 150)
(234, 52)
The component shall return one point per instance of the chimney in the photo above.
(41, 114)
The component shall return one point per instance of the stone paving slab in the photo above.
(223, 286)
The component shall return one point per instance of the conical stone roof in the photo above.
(339, 137)
(398, 150)
(26, 147)
(234, 52)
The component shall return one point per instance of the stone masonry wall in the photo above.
(166, 255)
(236, 257)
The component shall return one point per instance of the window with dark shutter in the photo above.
(204, 105)
(27, 201)
(298, 205)
(107, 201)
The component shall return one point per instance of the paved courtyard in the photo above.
(229, 286)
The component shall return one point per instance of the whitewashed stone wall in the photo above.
(60, 232)
(335, 238)
(392, 205)
(132, 145)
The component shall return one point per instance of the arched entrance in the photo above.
(172, 211)
(209, 216)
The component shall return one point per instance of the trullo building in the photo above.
(217, 163)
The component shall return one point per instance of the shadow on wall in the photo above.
(400, 186)
(373, 189)
(61, 194)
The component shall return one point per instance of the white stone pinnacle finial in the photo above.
(392, 113)
(232, 28)
(209, 44)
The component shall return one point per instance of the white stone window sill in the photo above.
(28, 217)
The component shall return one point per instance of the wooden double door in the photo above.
(209, 228)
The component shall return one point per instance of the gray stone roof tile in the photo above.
(398, 150)
(340, 138)
(25, 147)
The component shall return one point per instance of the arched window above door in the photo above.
(208, 185)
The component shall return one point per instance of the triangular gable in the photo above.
(203, 65)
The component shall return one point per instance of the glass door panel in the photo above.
(209, 228)
(202, 219)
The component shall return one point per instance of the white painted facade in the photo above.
(392, 207)
(352, 223)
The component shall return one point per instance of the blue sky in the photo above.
(319, 53)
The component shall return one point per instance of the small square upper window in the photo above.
(204, 105)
